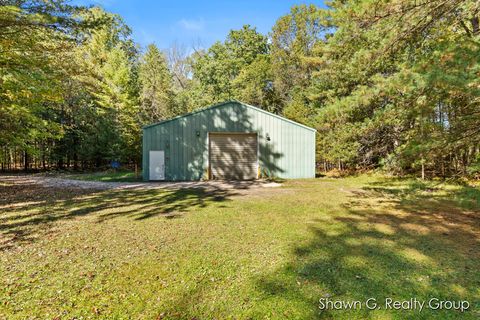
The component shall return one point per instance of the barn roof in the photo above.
(225, 103)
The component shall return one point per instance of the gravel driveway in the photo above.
(56, 182)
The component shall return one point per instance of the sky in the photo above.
(194, 23)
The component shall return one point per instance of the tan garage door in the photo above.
(233, 156)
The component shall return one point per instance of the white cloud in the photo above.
(104, 3)
(192, 25)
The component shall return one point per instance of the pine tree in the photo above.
(156, 87)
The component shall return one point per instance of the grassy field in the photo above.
(269, 253)
(105, 176)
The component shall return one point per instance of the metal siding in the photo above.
(166, 144)
(185, 150)
(174, 156)
(171, 128)
(289, 154)
(189, 156)
(287, 145)
(146, 148)
(286, 137)
(182, 148)
(144, 155)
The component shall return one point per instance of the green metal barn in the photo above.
(230, 140)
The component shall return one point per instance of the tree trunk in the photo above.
(75, 159)
(44, 164)
(475, 26)
(443, 168)
(423, 169)
(25, 161)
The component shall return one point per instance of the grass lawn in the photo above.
(270, 253)
(106, 176)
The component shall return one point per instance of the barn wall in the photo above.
(290, 153)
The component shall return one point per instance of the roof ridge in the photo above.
(226, 102)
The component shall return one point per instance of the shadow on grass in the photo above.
(390, 240)
(416, 191)
(29, 211)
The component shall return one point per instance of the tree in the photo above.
(179, 65)
(225, 70)
(36, 39)
(156, 93)
(293, 37)
(108, 77)
(398, 82)
(391, 84)
(254, 84)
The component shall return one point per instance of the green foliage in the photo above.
(400, 84)
(390, 84)
(293, 38)
(254, 85)
(111, 128)
(156, 94)
(35, 42)
(237, 69)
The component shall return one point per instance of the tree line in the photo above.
(387, 84)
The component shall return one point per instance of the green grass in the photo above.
(107, 176)
(270, 253)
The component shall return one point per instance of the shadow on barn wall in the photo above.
(186, 153)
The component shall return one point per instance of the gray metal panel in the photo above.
(233, 156)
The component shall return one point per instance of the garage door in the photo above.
(233, 156)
